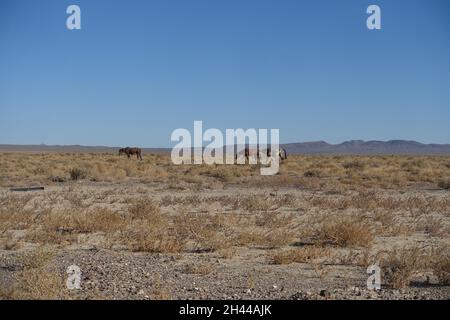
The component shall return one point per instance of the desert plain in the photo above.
(154, 230)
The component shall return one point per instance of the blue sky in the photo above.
(137, 70)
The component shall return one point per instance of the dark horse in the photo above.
(130, 151)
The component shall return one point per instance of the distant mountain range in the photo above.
(315, 147)
(368, 147)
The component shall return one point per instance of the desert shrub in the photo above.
(97, 220)
(37, 284)
(144, 209)
(277, 237)
(148, 230)
(151, 236)
(34, 280)
(339, 229)
(431, 225)
(78, 173)
(14, 214)
(439, 262)
(205, 232)
(399, 265)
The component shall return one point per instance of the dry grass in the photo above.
(338, 229)
(35, 280)
(439, 262)
(339, 172)
(400, 265)
(304, 254)
(330, 203)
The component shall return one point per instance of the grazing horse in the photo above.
(130, 151)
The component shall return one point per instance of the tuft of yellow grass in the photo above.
(305, 254)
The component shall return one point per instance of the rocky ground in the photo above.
(113, 271)
(118, 275)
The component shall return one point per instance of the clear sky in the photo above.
(137, 70)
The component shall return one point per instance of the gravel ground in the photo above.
(124, 275)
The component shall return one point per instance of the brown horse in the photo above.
(130, 151)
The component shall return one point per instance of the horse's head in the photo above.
(121, 151)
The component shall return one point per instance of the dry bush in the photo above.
(304, 254)
(205, 232)
(37, 284)
(37, 258)
(83, 221)
(430, 225)
(265, 238)
(250, 235)
(78, 173)
(278, 237)
(400, 265)
(338, 229)
(439, 263)
(144, 209)
(147, 229)
(268, 229)
(151, 236)
(16, 219)
(385, 217)
(35, 281)
(97, 220)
